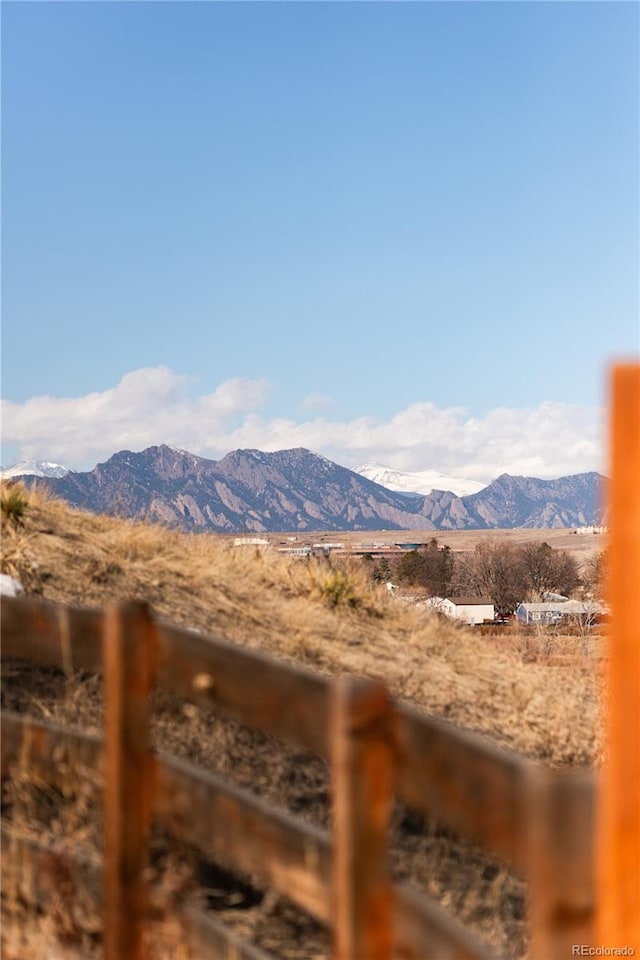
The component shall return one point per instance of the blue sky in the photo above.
(402, 232)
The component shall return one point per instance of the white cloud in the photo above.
(148, 406)
(317, 401)
(151, 406)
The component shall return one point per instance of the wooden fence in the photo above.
(532, 818)
(584, 886)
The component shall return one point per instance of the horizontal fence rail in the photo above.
(473, 787)
(212, 938)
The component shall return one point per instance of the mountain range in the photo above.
(297, 490)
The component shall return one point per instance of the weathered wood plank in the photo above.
(424, 930)
(49, 633)
(560, 862)
(277, 698)
(362, 783)
(619, 802)
(468, 784)
(129, 659)
(211, 938)
(225, 821)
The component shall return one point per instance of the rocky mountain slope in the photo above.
(526, 502)
(297, 490)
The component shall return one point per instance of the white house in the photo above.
(299, 552)
(470, 610)
(554, 611)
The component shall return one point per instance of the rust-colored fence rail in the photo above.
(539, 821)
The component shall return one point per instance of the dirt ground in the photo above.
(308, 612)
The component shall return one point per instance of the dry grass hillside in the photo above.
(329, 619)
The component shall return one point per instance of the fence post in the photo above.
(129, 654)
(362, 778)
(618, 847)
(559, 819)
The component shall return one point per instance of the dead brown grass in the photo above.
(331, 619)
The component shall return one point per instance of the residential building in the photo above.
(469, 610)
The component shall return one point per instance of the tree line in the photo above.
(504, 573)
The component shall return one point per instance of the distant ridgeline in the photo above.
(296, 490)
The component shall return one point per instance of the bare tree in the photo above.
(431, 567)
(594, 574)
(548, 570)
(497, 571)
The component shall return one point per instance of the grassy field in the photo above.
(332, 620)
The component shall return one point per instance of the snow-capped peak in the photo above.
(423, 481)
(34, 468)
